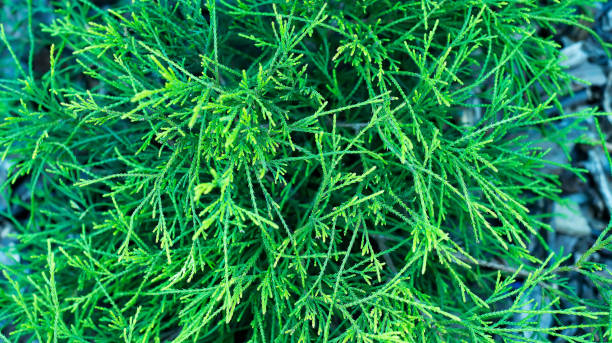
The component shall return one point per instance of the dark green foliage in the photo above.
(271, 171)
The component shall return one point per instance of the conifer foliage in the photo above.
(290, 171)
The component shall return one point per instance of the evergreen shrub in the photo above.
(291, 171)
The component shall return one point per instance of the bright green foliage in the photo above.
(291, 171)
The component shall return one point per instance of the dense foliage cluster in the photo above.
(289, 171)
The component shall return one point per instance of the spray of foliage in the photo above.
(290, 171)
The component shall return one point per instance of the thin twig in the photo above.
(493, 265)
